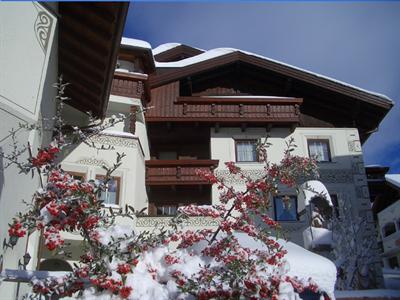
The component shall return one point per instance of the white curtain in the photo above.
(319, 150)
(246, 151)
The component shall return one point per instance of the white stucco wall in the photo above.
(26, 96)
(391, 243)
(344, 176)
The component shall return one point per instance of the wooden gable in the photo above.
(325, 102)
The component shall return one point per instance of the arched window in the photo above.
(388, 229)
(55, 264)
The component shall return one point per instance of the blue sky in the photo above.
(355, 42)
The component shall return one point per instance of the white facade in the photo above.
(389, 227)
(28, 69)
(344, 175)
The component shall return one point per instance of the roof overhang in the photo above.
(175, 52)
(89, 41)
(367, 108)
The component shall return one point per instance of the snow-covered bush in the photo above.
(354, 252)
(174, 263)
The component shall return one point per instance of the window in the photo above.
(319, 149)
(389, 229)
(393, 262)
(77, 175)
(246, 150)
(111, 194)
(285, 208)
(167, 210)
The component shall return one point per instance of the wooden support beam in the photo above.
(216, 127)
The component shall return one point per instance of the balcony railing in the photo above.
(258, 109)
(128, 85)
(145, 222)
(177, 172)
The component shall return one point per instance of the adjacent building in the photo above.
(385, 197)
(39, 42)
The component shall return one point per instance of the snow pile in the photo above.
(314, 237)
(152, 280)
(113, 233)
(301, 263)
(118, 133)
(309, 190)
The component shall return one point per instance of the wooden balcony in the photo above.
(128, 85)
(209, 109)
(177, 172)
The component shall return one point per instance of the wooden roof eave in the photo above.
(172, 74)
(74, 17)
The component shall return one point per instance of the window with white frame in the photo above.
(110, 195)
(246, 150)
(319, 149)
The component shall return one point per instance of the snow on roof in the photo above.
(393, 179)
(374, 166)
(135, 43)
(165, 47)
(168, 46)
(217, 52)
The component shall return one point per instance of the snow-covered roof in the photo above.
(168, 46)
(135, 43)
(165, 47)
(217, 52)
(393, 179)
(374, 166)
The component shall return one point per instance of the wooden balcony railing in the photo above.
(177, 172)
(128, 85)
(256, 109)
